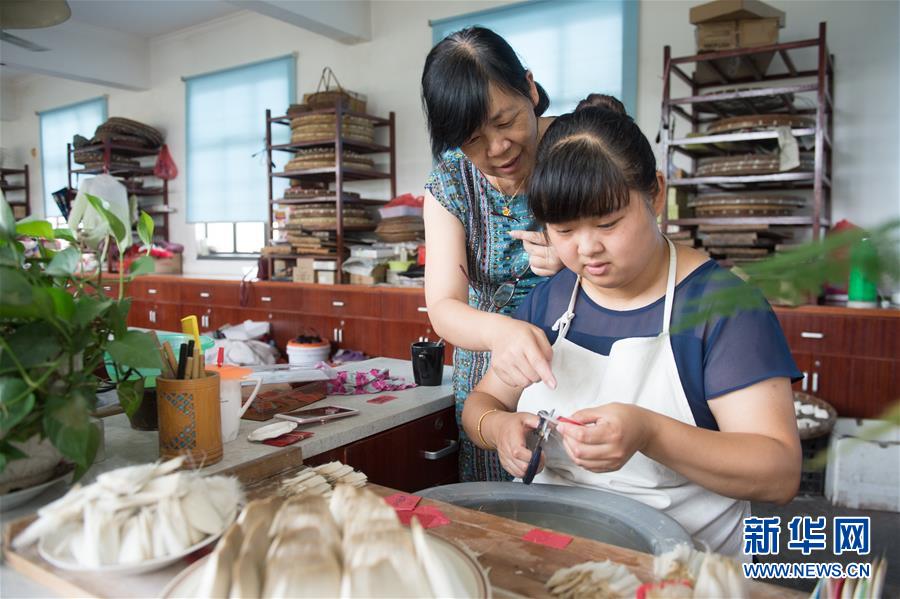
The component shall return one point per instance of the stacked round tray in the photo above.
(747, 164)
(324, 216)
(321, 127)
(752, 122)
(325, 158)
(748, 203)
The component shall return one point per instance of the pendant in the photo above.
(506, 211)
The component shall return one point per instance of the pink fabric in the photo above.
(373, 381)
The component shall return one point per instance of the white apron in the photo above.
(639, 371)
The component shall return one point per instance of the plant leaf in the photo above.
(16, 402)
(142, 266)
(145, 228)
(7, 220)
(115, 225)
(33, 343)
(35, 228)
(135, 349)
(64, 233)
(64, 263)
(131, 393)
(8, 453)
(68, 426)
(15, 290)
(63, 303)
(88, 308)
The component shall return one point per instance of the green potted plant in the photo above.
(57, 328)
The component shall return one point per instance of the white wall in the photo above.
(862, 35)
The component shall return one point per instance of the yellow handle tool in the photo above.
(189, 327)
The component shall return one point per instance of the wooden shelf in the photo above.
(120, 148)
(749, 220)
(360, 147)
(24, 199)
(739, 180)
(140, 171)
(330, 174)
(11, 171)
(295, 256)
(319, 200)
(12, 187)
(286, 120)
(146, 191)
(319, 229)
(683, 144)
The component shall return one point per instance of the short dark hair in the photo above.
(456, 84)
(589, 161)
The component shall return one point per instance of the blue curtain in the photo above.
(573, 47)
(226, 127)
(58, 126)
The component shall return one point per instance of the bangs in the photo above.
(456, 102)
(574, 180)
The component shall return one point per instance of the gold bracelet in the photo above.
(480, 434)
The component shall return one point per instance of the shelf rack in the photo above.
(21, 207)
(334, 176)
(773, 90)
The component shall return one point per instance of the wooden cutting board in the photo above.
(515, 567)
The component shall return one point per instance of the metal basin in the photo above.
(588, 513)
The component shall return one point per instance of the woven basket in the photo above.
(330, 93)
(823, 425)
(759, 121)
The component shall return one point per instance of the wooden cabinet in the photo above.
(413, 456)
(850, 358)
(209, 294)
(154, 315)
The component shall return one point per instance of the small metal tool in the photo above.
(542, 432)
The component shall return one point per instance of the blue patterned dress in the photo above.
(493, 258)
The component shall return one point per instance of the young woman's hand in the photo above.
(509, 430)
(521, 354)
(541, 255)
(608, 437)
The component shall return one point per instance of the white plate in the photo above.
(124, 569)
(472, 576)
(22, 496)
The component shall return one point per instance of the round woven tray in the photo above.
(745, 164)
(329, 120)
(823, 422)
(746, 199)
(325, 157)
(758, 121)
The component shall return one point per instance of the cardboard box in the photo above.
(328, 277)
(376, 276)
(732, 68)
(734, 10)
(168, 266)
(862, 470)
(304, 271)
(729, 35)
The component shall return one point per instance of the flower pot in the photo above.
(37, 468)
(146, 417)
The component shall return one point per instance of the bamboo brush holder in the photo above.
(190, 420)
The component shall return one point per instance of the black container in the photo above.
(146, 417)
(427, 362)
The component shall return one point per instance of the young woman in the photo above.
(681, 405)
(483, 111)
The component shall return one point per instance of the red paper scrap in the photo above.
(569, 421)
(381, 399)
(288, 438)
(545, 537)
(428, 516)
(403, 501)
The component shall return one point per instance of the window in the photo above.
(226, 169)
(58, 126)
(574, 48)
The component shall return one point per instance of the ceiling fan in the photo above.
(30, 14)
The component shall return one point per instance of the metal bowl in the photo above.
(589, 513)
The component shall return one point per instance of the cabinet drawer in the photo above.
(154, 291)
(417, 455)
(211, 294)
(346, 303)
(842, 335)
(279, 297)
(396, 338)
(411, 308)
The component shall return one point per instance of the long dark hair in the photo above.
(588, 161)
(456, 84)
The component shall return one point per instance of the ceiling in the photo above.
(148, 18)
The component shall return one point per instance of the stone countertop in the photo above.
(124, 446)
